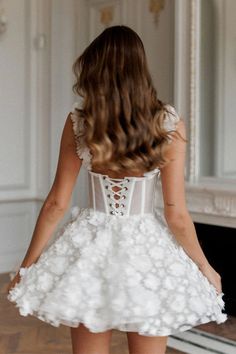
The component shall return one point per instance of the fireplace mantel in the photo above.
(207, 203)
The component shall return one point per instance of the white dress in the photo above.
(115, 266)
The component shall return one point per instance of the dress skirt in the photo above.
(126, 273)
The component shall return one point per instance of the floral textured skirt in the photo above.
(126, 273)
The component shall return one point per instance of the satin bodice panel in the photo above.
(122, 196)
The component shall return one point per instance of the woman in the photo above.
(119, 263)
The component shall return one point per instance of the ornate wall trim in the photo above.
(210, 200)
(207, 204)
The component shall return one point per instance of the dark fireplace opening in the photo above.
(219, 246)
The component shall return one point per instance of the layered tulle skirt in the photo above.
(126, 273)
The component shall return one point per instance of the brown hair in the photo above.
(122, 115)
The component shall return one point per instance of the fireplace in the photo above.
(219, 246)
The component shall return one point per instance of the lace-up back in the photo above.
(121, 196)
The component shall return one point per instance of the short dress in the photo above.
(115, 264)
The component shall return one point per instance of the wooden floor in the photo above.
(28, 335)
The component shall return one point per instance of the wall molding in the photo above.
(20, 202)
(36, 106)
(209, 198)
(207, 204)
(26, 183)
(17, 220)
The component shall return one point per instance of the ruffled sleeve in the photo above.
(78, 128)
(171, 119)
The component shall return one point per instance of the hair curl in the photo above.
(123, 117)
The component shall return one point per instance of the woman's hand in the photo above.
(13, 282)
(213, 277)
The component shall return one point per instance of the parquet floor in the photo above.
(28, 335)
(225, 330)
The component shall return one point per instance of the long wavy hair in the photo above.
(122, 115)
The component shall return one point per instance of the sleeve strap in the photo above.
(78, 127)
(171, 118)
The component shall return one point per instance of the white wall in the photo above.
(24, 134)
(42, 40)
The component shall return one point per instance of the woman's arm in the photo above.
(175, 210)
(57, 201)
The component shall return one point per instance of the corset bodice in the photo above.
(122, 196)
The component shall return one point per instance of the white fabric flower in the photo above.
(126, 242)
(141, 263)
(94, 286)
(221, 318)
(137, 311)
(168, 318)
(152, 239)
(147, 227)
(129, 270)
(157, 322)
(153, 331)
(177, 269)
(180, 318)
(118, 302)
(126, 227)
(170, 283)
(139, 297)
(81, 235)
(139, 250)
(134, 280)
(61, 248)
(45, 282)
(161, 273)
(197, 304)
(144, 327)
(178, 304)
(58, 265)
(23, 271)
(152, 282)
(181, 289)
(157, 252)
(140, 239)
(192, 318)
(163, 293)
(75, 210)
(192, 290)
(152, 305)
(220, 300)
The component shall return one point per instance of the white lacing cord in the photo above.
(121, 193)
